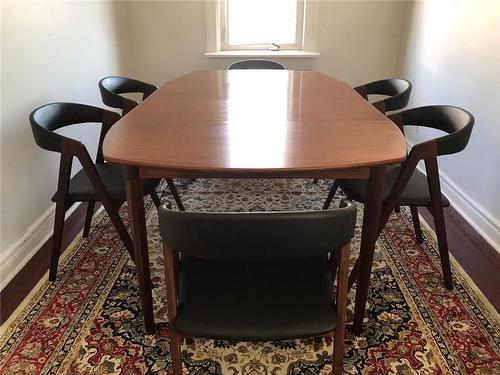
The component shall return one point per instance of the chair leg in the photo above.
(338, 348)
(88, 218)
(416, 224)
(353, 276)
(176, 354)
(175, 193)
(112, 209)
(334, 264)
(315, 181)
(156, 199)
(437, 209)
(117, 205)
(443, 246)
(57, 238)
(385, 213)
(331, 194)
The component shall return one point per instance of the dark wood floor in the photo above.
(476, 256)
(479, 259)
(22, 284)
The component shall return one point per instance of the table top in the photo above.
(254, 122)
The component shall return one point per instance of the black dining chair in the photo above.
(256, 64)
(405, 185)
(257, 276)
(397, 93)
(99, 181)
(112, 88)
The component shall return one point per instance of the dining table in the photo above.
(255, 124)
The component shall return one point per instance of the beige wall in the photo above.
(51, 51)
(453, 57)
(358, 40)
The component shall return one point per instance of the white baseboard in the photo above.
(16, 257)
(476, 215)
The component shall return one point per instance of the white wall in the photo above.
(51, 51)
(453, 57)
(359, 41)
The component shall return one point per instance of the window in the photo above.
(261, 28)
(261, 24)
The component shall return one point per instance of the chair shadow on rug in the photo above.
(261, 276)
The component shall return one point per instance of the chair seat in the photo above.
(255, 301)
(416, 192)
(81, 189)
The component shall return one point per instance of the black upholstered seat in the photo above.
(415, 193)
(81, 189)
(256, 276)
(256, 301)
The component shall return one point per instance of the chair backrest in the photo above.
(256, 64)
(455, 121)
(398, 91)
(50, 117)
(112, 87)
(257, 236)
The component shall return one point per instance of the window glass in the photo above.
(261, 22)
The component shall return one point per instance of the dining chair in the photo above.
(397, 93)
(112, 88)
(99, 181)
(256, 64)
(405, 185)
(257, 276)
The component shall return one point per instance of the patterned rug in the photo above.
(89, 320)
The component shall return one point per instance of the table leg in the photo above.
(137, 219)
(368, 239)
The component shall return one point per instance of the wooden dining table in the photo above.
(255, 124)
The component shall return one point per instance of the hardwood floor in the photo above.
(479, 259)
(22, 284)
(476, 256)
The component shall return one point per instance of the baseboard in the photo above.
(476, 215)
(18, 255)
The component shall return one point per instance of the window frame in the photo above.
(223, 34)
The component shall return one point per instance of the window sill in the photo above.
(283, 53)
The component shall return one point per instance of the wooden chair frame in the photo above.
(427, 151)
(70, 148)
(339, 267)
(113, 99)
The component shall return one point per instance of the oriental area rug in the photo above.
(90, 322)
